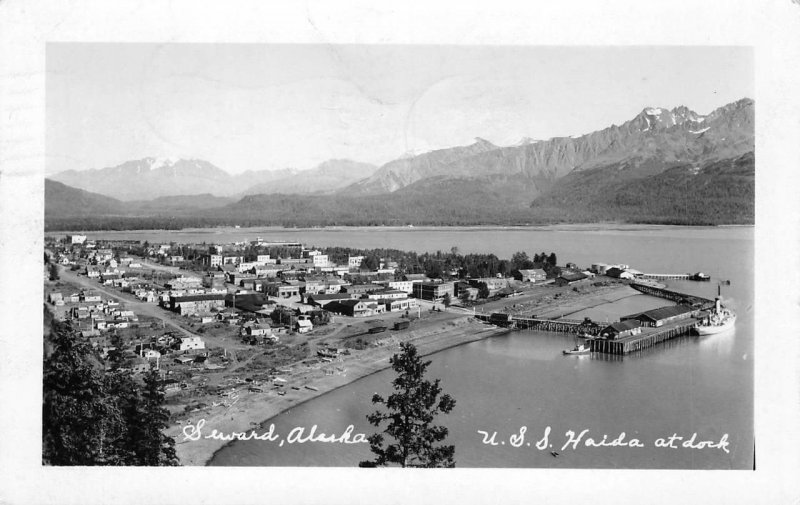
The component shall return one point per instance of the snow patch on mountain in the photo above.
(161, 162)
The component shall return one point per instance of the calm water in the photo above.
(693, 384)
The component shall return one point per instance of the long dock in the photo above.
(667, 277)
(674, 296)
(557, 325)
(574, 326)
(648, 338)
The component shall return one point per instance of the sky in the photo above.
(271, 106)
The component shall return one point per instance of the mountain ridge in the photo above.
(530, 180)
(151, 177)
(673, 136)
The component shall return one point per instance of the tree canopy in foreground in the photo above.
(92, 417)
(410, 412)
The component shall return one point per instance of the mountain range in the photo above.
(655, 139)
(149, 178)
(660, 166)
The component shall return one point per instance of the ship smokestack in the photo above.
(718, 305)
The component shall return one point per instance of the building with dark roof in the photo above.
(619, 273)
(569, 277)
(355, 308)
(196, 304)
(322, 299)
(621, 329)
(532, 275)
(661, 316)
(433, 291)
(361, 289)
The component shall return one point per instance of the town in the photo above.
(225, 325)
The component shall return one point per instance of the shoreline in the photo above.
(253, 411)
(598, 226)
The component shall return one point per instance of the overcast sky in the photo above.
(256, 107)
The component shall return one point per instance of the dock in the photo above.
(574, 326)
(666, 277)
(674, 296)
(648, 338)
(699, 276)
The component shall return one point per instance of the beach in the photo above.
(252, 408)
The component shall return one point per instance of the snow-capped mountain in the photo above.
(654, 140)
(150, 178)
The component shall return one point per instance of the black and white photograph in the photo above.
(559, 264)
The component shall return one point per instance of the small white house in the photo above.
(304, 326)
(191, 343)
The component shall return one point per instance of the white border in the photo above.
(772, 27)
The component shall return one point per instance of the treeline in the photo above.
(117, 223)
(447, 265)
(110, 223)
(93, 417)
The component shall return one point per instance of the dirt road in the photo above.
(131, 303)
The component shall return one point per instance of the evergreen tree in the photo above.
(410, 412)
(96, 418)
(521, 261)
(150, 446)
(53, 268)
(447, 300)
(371, 262)
(483, 290)
(78, 419)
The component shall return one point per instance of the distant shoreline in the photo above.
(605, 226)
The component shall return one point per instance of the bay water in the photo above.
(701, 386)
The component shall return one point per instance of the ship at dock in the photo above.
(718, 320)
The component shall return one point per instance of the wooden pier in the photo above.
(557, 325)
(674, 296)
(574, 326)
(667, 277)
(648, 338)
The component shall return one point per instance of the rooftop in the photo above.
(662, 312)
(624, 325)
(197, 298)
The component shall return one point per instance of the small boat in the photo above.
(578, 349)
(312, 388)
(554, 454)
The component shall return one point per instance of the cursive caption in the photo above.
(298, 435)
(575, 440)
